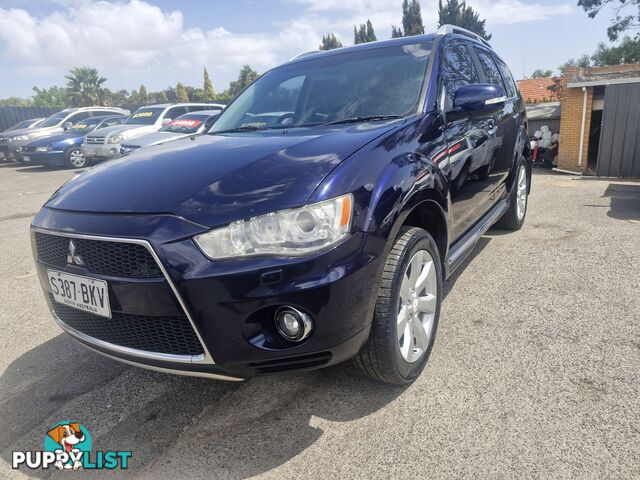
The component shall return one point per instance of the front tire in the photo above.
(407, 310)
(513, 218)
(74, 158)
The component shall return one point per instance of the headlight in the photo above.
(116, 139)
(289, 233)
(20, 138)
(43, 149)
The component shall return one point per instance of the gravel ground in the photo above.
(535, 372)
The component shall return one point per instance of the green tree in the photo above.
(462, 15)
(329, 42)
(84, 85)
(208, 94)
(182, 95)
(542, 74)
(161, 97)
(246, 77)
(583, 62)
(143, 96)
(628, 51)
(50, 97)
(15, 102)
(626, 15)
(411, 20)
(364, 34)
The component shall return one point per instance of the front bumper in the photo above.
(43, 158)
(230, 305)
(101, 152)
(11, 149)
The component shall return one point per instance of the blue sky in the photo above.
(159, 43)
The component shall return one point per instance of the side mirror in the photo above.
(67, 125)
(166, 121)
(479, 97)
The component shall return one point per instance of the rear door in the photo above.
(470, 141)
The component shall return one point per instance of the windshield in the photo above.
(185, 124)
(380, 82)
(85, 126)
(144, 116)
(54, 119)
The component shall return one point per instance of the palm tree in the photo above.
(85, 87)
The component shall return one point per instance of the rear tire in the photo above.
(74, 158)
(513, 218)
(408, 302)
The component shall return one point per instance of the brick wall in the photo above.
(570, 125)
(571, 120)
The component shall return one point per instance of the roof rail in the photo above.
(304, 54)
(447, 29)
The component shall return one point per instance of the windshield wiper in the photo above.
(369, 118)
(244, 128)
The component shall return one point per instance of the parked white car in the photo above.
(106, 143)
(185, 126)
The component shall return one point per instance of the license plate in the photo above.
(89, 151)
(26, 158)
(83, 293)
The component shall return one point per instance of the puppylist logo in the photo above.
(68, 446)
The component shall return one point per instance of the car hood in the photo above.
(155, 138)
(35, 132)
(216, 179)
(66, 138)
(127, 131)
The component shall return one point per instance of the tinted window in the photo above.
(78, 116)
(489, 68)
(458, 70)
(54, 119)
(512, 90)
(112, 122)
(175, 112)
(329, 88)
(144, 116)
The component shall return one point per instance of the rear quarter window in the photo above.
(489, 68)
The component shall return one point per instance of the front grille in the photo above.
(95, 140)
(170, 335)
(114, 259)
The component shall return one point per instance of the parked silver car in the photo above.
(184, 126)
(12, 142)
(31, 123)
(106, 144)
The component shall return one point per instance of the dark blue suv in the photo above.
(316, 222)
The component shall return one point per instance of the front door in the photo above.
(472, 143)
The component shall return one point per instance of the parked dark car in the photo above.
(64, 150)
(296, 241)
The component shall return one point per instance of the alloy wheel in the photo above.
(522, 193)
(76, 157)
(417, 306)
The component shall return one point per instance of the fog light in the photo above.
(293, 324)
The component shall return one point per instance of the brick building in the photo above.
(600, 121)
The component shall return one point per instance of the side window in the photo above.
(489, 68)
(510, 83)
(111, 123)
(78, 116)
(458, 70)
(196, 108)
(175, 112)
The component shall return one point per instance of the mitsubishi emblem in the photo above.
(72, 258)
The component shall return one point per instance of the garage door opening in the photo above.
(594, 140)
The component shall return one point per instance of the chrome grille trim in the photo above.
(201, 359)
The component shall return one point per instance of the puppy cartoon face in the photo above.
(67, 435)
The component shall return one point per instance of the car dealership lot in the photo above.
(535, 372)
